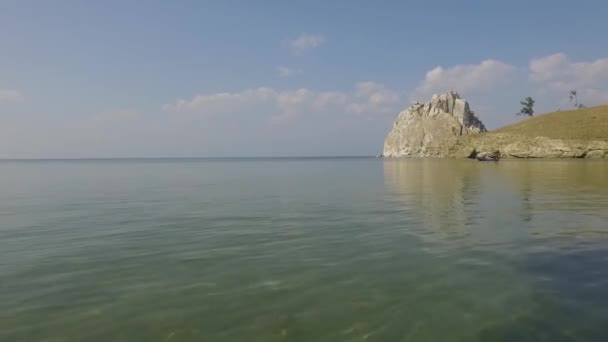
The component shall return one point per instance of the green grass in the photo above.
(582, 124)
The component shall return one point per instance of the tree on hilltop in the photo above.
(527, 107)
(574, 98)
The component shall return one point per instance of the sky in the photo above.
(85, 79)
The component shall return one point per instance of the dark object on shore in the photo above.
(488, 156)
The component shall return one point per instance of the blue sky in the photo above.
(269, 78)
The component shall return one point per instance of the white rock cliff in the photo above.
(432, 129)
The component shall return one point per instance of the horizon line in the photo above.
(183, 158)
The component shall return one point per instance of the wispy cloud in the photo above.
(557, 74)
(218, 103)
(367, 98)
(286, 72)
(464, 78)
(10, 95)
(372, 97)
(307, 41)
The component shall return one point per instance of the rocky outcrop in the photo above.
(488, 156)
(432, 129)
(520, 146)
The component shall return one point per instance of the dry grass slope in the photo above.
(582, 124)
(581, 133)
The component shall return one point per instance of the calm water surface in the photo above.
(303, 250)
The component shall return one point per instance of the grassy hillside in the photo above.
(582, 124)
(579, 133)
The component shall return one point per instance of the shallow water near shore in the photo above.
(309, 249)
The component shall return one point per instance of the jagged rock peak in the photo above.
(431, 129)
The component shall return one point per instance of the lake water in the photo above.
(342, 249)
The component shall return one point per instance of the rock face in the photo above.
(519, 146)
(432, 129)
(488, 156)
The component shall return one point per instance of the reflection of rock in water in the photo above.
(548, 189)
(527, 200)
(535, 231)
(441, 192)
(558, 176)
(499, 202)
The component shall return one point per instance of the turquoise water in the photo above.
(344, 249)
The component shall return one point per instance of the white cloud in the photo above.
(285, 71)
(224, 102)
(374, 97)
(367, 98)
(292, 102)
(557, 75)
(330, 99)
(307, 41)
(9, 95)
(465, 78)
